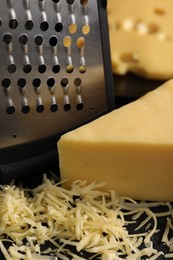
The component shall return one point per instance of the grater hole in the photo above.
(10, 110)
(11, 68)
(13, 23)
(40, 108)
(26, 109)
(27, 68)
(21, 82)
(67, 107)
(51, 82)
(29, 25)
(86, 29)
(38, 40)
(55, 1)
(84, 2)
(77, 82)
(36, 82)
(70, 2)
(64, 82)
(53, 41)
(7, 38)
(79, 106)
(58, 27)
(23, 39)
(72, 28)
(54, 108)
(42, 68)
(69, 68)
(82, 69)
(67, 41)
(6, 83)
(80, 42)
(56, 68)
(44, 26)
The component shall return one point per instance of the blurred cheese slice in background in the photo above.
(130, 148)
(141, 37)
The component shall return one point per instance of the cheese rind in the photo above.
(131, 148)
(141, 37)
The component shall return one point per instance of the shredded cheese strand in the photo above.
(83, 217)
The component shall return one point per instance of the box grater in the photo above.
(55, 75)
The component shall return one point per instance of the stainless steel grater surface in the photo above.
(55, 71)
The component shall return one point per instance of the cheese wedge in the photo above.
(130, 148)
(141, 37)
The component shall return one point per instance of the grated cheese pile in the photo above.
(83, 217)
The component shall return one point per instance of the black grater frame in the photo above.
(21, 160)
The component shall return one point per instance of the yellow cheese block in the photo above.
(130, 148)
(141, 37)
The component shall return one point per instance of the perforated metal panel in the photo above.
(52, 75)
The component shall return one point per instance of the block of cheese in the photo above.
(130, 148)
(141, 37)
